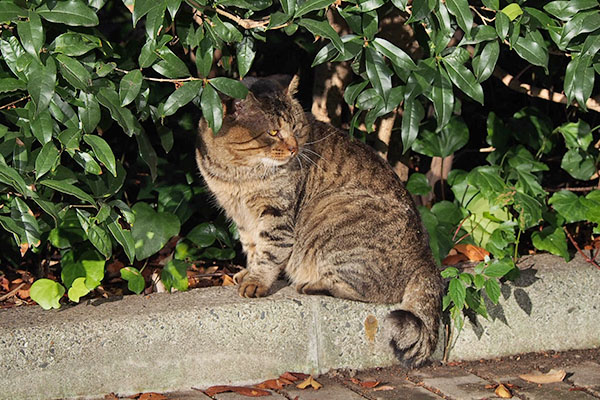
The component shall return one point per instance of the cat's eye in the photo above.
(273, 132)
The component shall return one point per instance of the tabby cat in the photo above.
(326, 210)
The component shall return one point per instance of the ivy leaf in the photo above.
(152, 230)
(418, 184)
(551, 239)
(579, 164)
(78, 289)
(578, 135)
(174, 275)
(135, 280)
(451, 138)
(568, 205)
(47, 293)
(69, 12)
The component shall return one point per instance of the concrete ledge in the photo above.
(166, 342)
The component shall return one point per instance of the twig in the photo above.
(593, 103)
(13, 102)
(190, 78)
(12, 292)
(244, 23)
(590, 260)
(485, 20)
(575, 189)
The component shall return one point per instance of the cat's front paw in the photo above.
(249, 285)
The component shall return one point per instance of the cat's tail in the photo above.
(414, 333)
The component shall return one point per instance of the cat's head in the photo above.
(268, 127)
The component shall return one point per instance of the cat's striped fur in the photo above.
(326, 210)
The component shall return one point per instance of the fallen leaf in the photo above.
(299, 375)
(550, 377)
(356, 381)
(370, 328)
(23, 293)
(309, 382)
(273, 384)
(383, 388)
(474, 253)
(503, 392)
(114, 268)
(152, 396)
(111, 396)
(289, 376)
(454, 259)
(244, 391)
(227, 281)
(369, 384)
(4, 283)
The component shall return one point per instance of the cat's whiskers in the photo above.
(318, 140)
(310, 160)
(316, 154)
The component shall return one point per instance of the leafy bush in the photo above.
(100, 102)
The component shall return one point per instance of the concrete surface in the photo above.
(204, 337)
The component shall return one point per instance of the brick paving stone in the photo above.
(454, 382)
(331, 390)
(236, 396)
(587, 375)
(394, 377)
(187, 395)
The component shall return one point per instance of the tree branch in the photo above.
(513, 83)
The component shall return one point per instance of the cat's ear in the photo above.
(235, 107)
(292, 88)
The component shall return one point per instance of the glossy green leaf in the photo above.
(152, 230)
(411, 118)
(245, 52)
(68, 188)
(74, 72)
(492, 289)
(230, 87)
(579, 164)
(170, 65)
(11, 177)
(311, 5)
(75, 44)
(11, 84)
(46, 160)
(68, 12)
(512, 11)
(130, 86)
(529, 209)
(31, 33)
(87, 162)
(442, 97)
(378, 73)
(323, 29)
(353, 90)
(22, 214)
(288, 6)
(212, 110)
(484, 63)
(565, 9)
(579, 80)
(204, 57)
(203, 235)
(102, 151)
(110, 99)
(568, 205)
(174, 275)
(123, 236)
(47, 293)
(487, 179)
(499, 268)
(460, 9)
(532, 48)
(418, 184)
(421, 9)
(89, 113)
(578, 135)
(464, 79)
(147, 153)
(582, 22)
(41, 83)
(77, 290)
(502, 25)
(135, 280)
(182, 96)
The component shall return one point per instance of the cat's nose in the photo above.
(293, 148)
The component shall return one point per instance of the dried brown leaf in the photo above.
(4, 283)
(503, 392)
(474, 253)
(454, 259)
(549, 377)
(152, 396)
(24, 248)
(111, 396)
(227, 281)
(369, 384)
(383, 388)
(309, 382)
(356, 381)
(244, 391)
(273, 384)
(289, 376)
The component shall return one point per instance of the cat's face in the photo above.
(267, 128)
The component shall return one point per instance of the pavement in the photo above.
(173, 342)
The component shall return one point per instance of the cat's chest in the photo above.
(234, 200)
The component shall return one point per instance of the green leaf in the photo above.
(582, 22)
(11, 84)
(130, 86)
(123, 236)
(323, 29)
(245, 53)
(152, 230)
(288, 6)
(11, 177)
(487, 179)
(89, 113)
(499, 268)
(102, 151)
(397, 56)
(411, 118)
(502, 25)
(170, 65)
(418, 184)
(74, 72)
(230, 87)
(421, 9)
(567, 8)
(353, 90)
(311, 5)
(10, 12)
(89, 265)
(579, 164)
(147, 153)
(532, 48)
(68, 188)
(75, 44)
(69, 12)
(484, 64)
(23, 216)
(457, 292)
(451, 138)
(568, 205)
(174, 275)
(529, 209)
(135, 280)
(464, 79)
(180, 97)
(203, 235)
(579, 80)
(109, 98)
(212, 110)
(41, 82)
(460, 9)
(492, 289)
(78, 289)
(46, 160)
(46, 293)
(442, 97)
(31, 33)
(450, 272)
(512, 11)
(378, 73)
(551, 239)
(86, 161)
